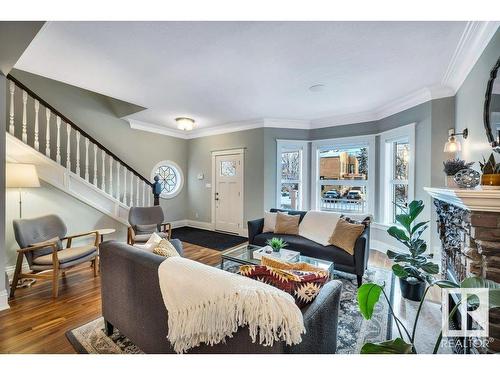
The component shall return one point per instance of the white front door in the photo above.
(228, 193)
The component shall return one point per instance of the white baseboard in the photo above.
(4, 298)
(178, 223)
(200, 224)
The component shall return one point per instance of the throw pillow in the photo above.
(318, 226)
(345, 235)
(287, 224)
(166, 249)
(269, 222)
(366, 221)
(303, 286)
(150, 245)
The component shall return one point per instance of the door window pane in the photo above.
(399, 199)
(289, 196)
(228, 168)
(290, 165)
(401, 158)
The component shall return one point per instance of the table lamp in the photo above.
(21, 176)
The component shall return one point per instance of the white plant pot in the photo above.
(450, 183)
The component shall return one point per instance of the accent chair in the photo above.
(144, 221)
(41, 242)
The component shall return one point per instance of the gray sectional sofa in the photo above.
(345, 262)
(132, 303)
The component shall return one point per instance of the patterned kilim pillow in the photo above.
(304, 286)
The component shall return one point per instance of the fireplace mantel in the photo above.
(468, 199)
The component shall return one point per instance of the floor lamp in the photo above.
(21, 176)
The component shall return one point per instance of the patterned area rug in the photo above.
(353, 330)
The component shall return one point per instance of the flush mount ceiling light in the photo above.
(185, 123)
(317, 88)
(453, 145)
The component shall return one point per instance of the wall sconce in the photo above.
(453, 145)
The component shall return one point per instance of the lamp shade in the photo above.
(21, 176)
(452, 145)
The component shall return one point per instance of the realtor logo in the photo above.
(471, 318)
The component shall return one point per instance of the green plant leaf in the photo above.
(478, 282)
(446, 284)
(399, 271)
(431, 268)
(415, 208)
(418, 226)
(368, 296)
(392, 254)
(404, 220)
(397, 346)
(398, 234)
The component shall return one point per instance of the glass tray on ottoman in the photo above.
(284, 255)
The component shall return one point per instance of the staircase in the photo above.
(70, 159)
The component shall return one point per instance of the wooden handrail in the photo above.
(77, 128)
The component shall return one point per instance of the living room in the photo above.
(344, 173)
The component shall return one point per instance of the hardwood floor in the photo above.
(36, 323)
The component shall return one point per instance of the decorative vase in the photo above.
(490, 181)
(276, 249)
(449, 182)
(414, 291)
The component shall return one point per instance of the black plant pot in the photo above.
(413, 291)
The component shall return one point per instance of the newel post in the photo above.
(156, 190)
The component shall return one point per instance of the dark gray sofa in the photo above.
(355, 264)
(132, 302)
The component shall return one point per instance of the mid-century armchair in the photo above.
(144, 221)
(41, 242)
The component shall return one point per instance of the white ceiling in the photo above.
(226, 72)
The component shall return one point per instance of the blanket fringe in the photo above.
(268, 316)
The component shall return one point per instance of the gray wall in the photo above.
(199, 156)
(470, 104)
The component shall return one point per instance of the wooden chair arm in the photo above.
(70, 238)
(53, 245)
(165, 225)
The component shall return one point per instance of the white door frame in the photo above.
(235, 151)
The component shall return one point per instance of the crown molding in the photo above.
(474, 39)
(154, 128)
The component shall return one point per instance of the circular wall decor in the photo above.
(171, 178)
(467, 178)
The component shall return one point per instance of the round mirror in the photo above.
(492, 109)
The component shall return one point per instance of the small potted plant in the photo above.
(490, 178)
(451, 167)
(413, 268)
(277, 244)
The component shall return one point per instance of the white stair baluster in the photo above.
(137, 191)
(110, 176)
(124, 185)
(47, 133)
(103, 182)
(143, 195)
(68, 147)
(12, 88)
(131, 200)
(37, 140)
(58, 140)
(87, 160)
(118, 181)
(25, 120)
(95, 164)
(78, 153)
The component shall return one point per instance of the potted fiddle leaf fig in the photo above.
(413, 268)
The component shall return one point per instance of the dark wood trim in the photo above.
(77, 128)
(487, 102)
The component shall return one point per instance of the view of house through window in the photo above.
(291, 175)
(343, 175)
(400, 174)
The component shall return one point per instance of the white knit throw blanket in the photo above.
(206, 304)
